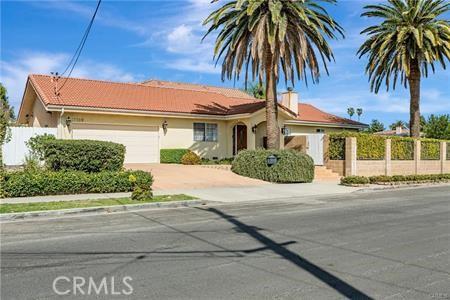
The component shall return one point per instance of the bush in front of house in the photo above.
(27, 184)
(292, 166)
(191, 158)
(354, 180)
(172, 156)
(37, 145)
(430, 150)
(83, 155)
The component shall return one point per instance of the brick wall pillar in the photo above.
(387, 157)
(416, 156)
(350, 156)
(443, 154)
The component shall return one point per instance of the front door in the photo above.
(239, 138)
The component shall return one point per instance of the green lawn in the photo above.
(19, 207)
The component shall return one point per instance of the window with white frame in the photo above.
(205, 132)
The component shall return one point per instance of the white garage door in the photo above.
(141, 142)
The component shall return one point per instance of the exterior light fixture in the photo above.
(68, 121)
(254, 128)
(271, 160)
(285, 131)
(164, 126)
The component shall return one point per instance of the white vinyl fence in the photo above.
(15, 150)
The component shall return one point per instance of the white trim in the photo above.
(338, 125)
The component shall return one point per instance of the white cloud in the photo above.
(186, 64)
(13, 74)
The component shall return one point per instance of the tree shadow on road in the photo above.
(334, 282)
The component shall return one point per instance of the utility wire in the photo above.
(77, 53)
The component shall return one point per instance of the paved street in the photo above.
(381, 245)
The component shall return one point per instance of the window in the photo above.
(205, 132)
(320, 130)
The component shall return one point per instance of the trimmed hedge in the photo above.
(191, 158)
(292, 166)
(372, 147)
(402, 148)
(27, 184)
(430, 150)
(448, 151)
(172, 156)
(83, 155)
(336, 148)
(350, 180)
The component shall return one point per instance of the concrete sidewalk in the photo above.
(265, 192)
(220, 194)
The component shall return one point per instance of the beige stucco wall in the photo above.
(403, 167)
(180, 133)
(42, 118)
(370, 167)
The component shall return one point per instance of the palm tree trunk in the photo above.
(273, 132)
(414, 104)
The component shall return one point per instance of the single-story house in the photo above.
(214, 122)
(398, 131)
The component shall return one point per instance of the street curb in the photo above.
(98, 210)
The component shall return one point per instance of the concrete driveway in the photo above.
(173, 176)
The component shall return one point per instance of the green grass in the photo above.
(25, 207)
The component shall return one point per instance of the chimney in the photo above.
(289, 99)
(398, 130)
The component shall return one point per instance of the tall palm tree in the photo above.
(410, 39)
(267, 36)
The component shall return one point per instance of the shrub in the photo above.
(31, 164)
(27, 184)
(351, 180)
(336, 148)
(370, 147)
(292, 166)
(37, 145)
(402, 148)
(448, 151)
(84, 155)
(410, 178)
(172, 156)
(141, 191)
(430, 150)
(191, 158)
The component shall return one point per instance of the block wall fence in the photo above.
(351, 166)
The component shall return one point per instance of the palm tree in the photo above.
(350, 112)
(359, 112)
(408, 42)
(267, 37)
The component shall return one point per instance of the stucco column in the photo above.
(443, 155)
(350, 156)
(387, 157)
(416, 156)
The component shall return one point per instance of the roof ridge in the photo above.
(143, 85)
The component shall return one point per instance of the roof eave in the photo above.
(326, 124)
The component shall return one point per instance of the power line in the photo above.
(73, 61)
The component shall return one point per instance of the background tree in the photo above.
(256, 89)
(408, 41)
(6, 115)
(272, 37)
(350, 112)
(359, 112)
(437, 127)
(398, 123)
(375, 126)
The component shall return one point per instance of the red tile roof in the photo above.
(309, 113)
(164, 97)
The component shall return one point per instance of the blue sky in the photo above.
(138, 40)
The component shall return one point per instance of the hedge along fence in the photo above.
(372, 147)
(369, 147)
(448, 151)
(402, 148)
(430, 150)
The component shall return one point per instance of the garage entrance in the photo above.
(141, 142)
